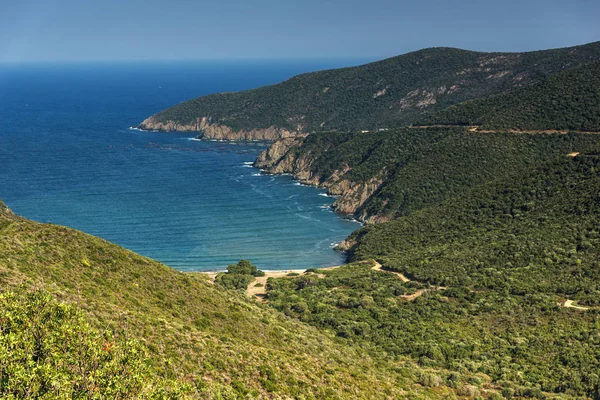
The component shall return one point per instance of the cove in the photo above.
(68, 157)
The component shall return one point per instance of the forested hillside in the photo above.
(491, 249)
(568, 100)
(384, 94)
(380, 176)
(487, 272)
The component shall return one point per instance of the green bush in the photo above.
(234, 281)
(47, 350)
(244, 267)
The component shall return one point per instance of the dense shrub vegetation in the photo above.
(566, 100)
(238, 276)
(384, 94)
(421, 167)
(489, 235)
(47, 350)
(494, 264)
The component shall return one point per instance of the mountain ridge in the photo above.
(394, 92)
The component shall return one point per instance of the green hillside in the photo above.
(414, 168)
(83, 318)
(568, 100)
(389, 93)
(487, 272)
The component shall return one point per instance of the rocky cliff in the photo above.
(208, 129)
(286, 156)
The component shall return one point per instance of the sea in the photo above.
(68, 156)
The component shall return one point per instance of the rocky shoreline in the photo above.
(280, 158)
(210, 130)
(284, 156)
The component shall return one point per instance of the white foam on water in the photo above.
(354, 220)
(135, 128)
(301, 184)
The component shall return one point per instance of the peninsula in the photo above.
(394, 92)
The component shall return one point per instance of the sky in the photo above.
(84, 30)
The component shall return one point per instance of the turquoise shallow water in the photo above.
(68, 157)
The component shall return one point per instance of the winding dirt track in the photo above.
(379, 267)
(409, 297)
(259, 292)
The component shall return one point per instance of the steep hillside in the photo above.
(379, 176)
(384, 94)
(568, 100)
(99, 317)
(486, 278)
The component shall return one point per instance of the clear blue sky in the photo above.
(61, 30)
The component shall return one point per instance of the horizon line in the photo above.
(371, 58)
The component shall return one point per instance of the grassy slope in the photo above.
(217, 341)
(346, 99)
(566, 100)
(506, 251)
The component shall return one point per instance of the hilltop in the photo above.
(398, 91)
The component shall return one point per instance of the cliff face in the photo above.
(211, 130)
(286, 156)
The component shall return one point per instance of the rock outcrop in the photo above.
(208, 129)
(285, 156)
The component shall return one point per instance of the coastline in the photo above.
(207, 127)
(268, 170)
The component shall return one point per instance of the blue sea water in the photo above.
(68, 157)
